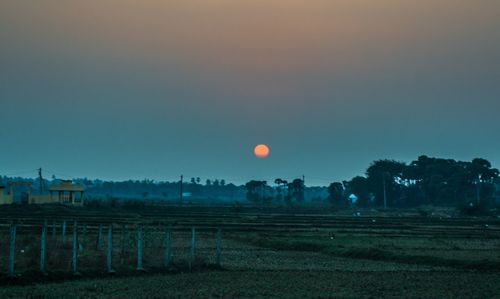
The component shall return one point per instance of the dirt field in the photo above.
(276, 284)
(265, 254)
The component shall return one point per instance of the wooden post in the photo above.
(12, 250)
(109, 256)
(83, 238)
(74, 263)
(64, 232)
(99, 238)
(219, 248)
(122, 244)
(168, 248)
(193, 248)
(54, 229)
(43, 247)
(139, 248)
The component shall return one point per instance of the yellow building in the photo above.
(5, 199)
(64, 192)
(24, 189)
(67, 192)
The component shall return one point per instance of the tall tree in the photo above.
(336, 194)
(279, 195)
(385, 178)
(255, 191)
(296, 190)
(360, 187)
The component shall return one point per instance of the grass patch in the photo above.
(370, 253)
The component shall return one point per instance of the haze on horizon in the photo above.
(119, 89)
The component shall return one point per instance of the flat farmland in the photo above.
(265, 253)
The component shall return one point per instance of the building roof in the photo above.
(66, 186)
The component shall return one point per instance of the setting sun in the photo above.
(261, 151)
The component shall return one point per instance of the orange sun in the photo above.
(261, 151)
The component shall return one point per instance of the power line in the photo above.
(20, 172)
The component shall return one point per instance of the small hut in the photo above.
(67, 192)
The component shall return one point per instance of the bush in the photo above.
(471, 208)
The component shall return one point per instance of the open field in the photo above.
(265, 253)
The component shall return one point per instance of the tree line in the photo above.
(259, 192)
(389, 183)
(425, 181)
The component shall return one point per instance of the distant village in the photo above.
(77, 191)
(64, 192)
(386, 183)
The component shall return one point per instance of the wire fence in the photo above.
(80, 248)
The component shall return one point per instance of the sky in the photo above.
(122, 89)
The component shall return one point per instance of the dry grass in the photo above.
(354, 258)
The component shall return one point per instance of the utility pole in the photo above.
(303, 187)
(41, 180)
(180, 195)
(385, 194)
(478, 189)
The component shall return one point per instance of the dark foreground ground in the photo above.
(271, 254)
(276, 284)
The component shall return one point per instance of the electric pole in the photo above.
(303, 195)
(180, 195)
(262, 189)
(41, 180)
(478, 189)
(385, 194)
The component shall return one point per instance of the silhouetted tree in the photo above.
(360, 187)
(296, 190)
(255, 191)
(336, 194)
(448, 182)
(281, 183)
(386, 174)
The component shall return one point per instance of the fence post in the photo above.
(82, 240)
(109, 257)
(43, 244)
(99, 238)
(12, 249)
(75, 249)
(64, 232)
(193, 248)
(219, 248)
(139, 248)
(168, 248)
(54, 229)
(122, 244)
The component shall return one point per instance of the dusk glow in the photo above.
(157, 88)
(250, 149)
